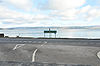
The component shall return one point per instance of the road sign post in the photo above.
(50, 32)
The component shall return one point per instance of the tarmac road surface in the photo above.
(53, 51)
(73, 42)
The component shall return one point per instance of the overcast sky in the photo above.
(43, 13)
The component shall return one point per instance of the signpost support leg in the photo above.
(49, 35)
(44, 35)
(55, 35)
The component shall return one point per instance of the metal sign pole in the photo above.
(55, 35)
(49, 33)
(44, 35)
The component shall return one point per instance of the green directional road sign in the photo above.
(50, 31)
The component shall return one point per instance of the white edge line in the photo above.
(33, 56)
(98, 55)
(34, 53)
(18, 46)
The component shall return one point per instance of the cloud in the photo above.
(85, 9)
(93, 14)
(90, 13)
(86, 13)
(70, 14)
(65, 4)
(11, 14)
(57, 10)
(15, 18)
(70, 10)
(64, 9)
(26, 5)
(42, 17)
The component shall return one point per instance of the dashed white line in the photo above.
(20, 41)
(34, 53)
(44, 43)
(30, 41)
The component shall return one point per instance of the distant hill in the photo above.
(69, 27)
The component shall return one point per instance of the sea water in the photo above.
(61, 32)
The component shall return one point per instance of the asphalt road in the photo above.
(51, 50)
(72, 42)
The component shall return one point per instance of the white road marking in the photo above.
(20, 41)
(18, 46)
(34, 53)
(24, 41)
(33, 56)
(98, 54)
(44, 43)
(30, 41)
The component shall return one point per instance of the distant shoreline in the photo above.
(53, 38)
